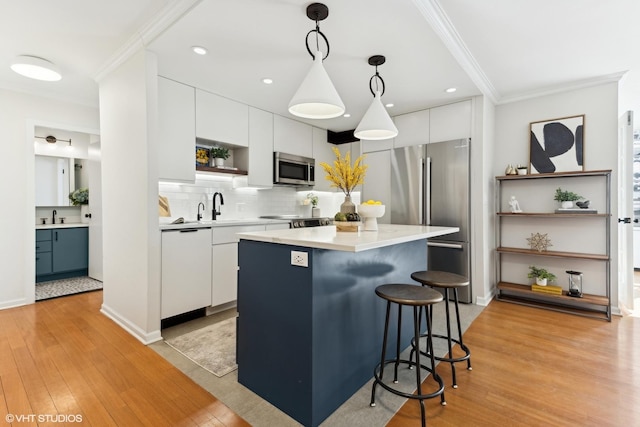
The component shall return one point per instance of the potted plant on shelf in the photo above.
(219, 155)
(80, 197)
(566, 198)
(313, 199)
(541, 275)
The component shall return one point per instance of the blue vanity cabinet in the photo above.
(62, 253)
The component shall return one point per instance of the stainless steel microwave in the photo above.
(290, 169)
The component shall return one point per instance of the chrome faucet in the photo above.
(215, 212)
(53, 219)
(199, 216)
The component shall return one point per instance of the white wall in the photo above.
(131, 243)
(19, 114)
(599, 104)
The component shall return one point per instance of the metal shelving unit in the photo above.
(596, 306)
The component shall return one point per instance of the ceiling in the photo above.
(506, 50)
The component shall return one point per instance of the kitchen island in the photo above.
(310, 336)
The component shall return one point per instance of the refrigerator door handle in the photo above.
(445, 245)
(426, 192)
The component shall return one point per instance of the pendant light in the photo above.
(376, 123)
(317, 98)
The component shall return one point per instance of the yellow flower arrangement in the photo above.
(342, 175)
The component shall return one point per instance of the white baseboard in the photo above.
(484, 301)
(14, 303)
(145, 338)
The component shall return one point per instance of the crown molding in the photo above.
(564, 87)
(443, 27)
(146, 34)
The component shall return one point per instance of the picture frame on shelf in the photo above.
(203, 155)
(557, 145)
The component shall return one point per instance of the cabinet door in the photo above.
(292, 137)
(177, 136)
(221, 119)
(70, 249)
(451, 121)
(413, 129)
(186, 271)
(377, 186)
(224, 287)
(260, 152)
(322, 152)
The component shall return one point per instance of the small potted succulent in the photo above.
(219, 155)
(522, 170)
(541, 275)
(566, 198)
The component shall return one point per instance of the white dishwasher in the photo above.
(186, 270)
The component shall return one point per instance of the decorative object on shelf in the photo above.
(219, 155)
(508, 170)
(575, 283)
(376, 123)
(539, 242)
(345, 176)
(547, 289)
(514, 205)
(313, 200)
(79, 197)
(583, 205)
(522, 170)
(202, 155)
(566, 198)
(557, 145)
(541, 275)
(316, 97)
(371, 210)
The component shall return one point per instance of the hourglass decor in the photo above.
(575, 284)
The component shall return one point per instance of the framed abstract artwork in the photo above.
(557, 145)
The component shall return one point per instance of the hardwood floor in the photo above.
(62, 358)
(534, 367)
(530, 367)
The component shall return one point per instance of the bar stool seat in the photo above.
(418, 297)
(447, 281)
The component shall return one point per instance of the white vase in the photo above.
(315, 212)
(219, 162)
(541, 282)
(84, 214)
(566, 204)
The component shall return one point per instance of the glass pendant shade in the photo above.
(376, 123)
(317, 98)
(36, 68)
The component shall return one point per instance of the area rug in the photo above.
(59, 288)
(212, 347)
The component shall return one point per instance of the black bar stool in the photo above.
(446, 281)
(417, 297)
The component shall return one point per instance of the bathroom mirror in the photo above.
(55, 178)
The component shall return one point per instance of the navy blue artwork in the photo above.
(557, 145)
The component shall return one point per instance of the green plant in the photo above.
(313, 199)
(79, 197)
(220, 153)
(540, 273)
(566, 196)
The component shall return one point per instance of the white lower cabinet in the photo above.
(186, 270)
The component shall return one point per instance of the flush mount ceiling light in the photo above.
(199, 50)
(317, 98)
(36, 68)
(376, 123)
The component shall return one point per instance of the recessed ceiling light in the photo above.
(389, 105)
(199, 50)
(36, 68)
(267, 81)
(346, 115)
(451, 90)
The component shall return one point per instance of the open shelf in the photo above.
(556, 254)
(526, 290)
(552, 215)
(555, 175)
(220, 170)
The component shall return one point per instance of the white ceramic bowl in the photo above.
(370, 213)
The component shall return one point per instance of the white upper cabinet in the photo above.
(221, 119)
(292, 137)
(413, 129)
(176, 126)
(369, 146)
(452, 121)
(322, 152)
(258, 158)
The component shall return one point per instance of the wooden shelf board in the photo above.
(220, 170)
(556, 254)
(552, 215)
(526, 290)
(555, 175)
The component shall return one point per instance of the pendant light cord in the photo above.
(318, 33)
(377, 77)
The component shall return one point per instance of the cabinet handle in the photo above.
(56, 233)
(189, 230)
(37, 247)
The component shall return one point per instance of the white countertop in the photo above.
(328, 238)
(65, 225)
(166, 225)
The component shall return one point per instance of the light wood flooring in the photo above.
(530, 367)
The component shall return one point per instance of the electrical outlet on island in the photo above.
(299, 259)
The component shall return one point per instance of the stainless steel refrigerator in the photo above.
(430, 186)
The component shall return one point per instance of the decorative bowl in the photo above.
(370, 213)
(347, 225)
